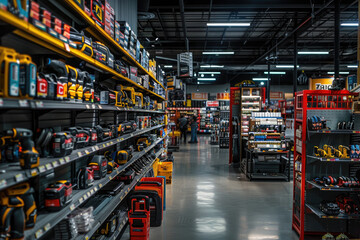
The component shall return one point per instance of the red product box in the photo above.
(45, 14)
(35, 6)
(66, 34)
(109, 8)
(57, 29)
(46, 22)
(34, 15)
(67, 28)
(57, 22)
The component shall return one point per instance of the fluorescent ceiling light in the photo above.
(352, 66)
(262, 83)
(243, 24)
(339, 73)
(218, 53)
(259, 79)
(168, 66)
(209, 72)
(206, 79)
(314, 52)
(279, 73)
(350, 24)
(286, 66)
(212, 66)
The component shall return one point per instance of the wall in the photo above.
(126, 10)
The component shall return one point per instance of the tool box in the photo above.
(57, 195)
(156, 207)
(166, 169)
(139, 217)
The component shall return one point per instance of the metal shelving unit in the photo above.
(333, 106)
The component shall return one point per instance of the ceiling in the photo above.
(270, 34)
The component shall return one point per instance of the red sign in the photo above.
(212, 103)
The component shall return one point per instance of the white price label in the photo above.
(55, 164)
(39, 104)
(1, 102)
(23, 103)
(87, 106)
(48, 166)
(19, 177)
(67, 159)
(33, 172)
(72, 207)
(93, 106)
(39, 233)
(62, 161)
(100, 107)
(42, 168)
(47, 227)
(3, 183)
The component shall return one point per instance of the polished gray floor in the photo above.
(208, 200)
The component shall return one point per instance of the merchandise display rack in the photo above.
(37, 114)
(334, 107)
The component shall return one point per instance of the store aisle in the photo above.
(207, 201)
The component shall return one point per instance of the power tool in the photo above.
(12, 217)
(127, 127)
(329, 150)
(60, 70)
(43, 141)
(319, 152)
(29, 157)
(139, 100)
(88, 88)
(344, 150)
(93, 136)
(99, 164)
(80, 85)
(121, 99)
(130, 91)
(85, 178)
(19, 8)
(27, 81)
(46, 86)
(57, 195)
(338, 153)
(25, 192)
(123, 156)
(82, 136)
(62, 144)
(83, 43)
(9, 73)
(72, 80)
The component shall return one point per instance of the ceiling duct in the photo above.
(143, 10)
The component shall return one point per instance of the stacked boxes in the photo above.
(96, 10)
(137, 50)
(145, 59)
(109, 19)
(152, 67)
(133, 73)
(132, 44)
(125, 30)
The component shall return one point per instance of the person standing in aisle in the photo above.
(194, 126)
(183, 124)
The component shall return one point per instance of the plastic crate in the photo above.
(165, 169)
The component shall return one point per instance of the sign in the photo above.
(276, 95)
(351, 82)
(320, 83)
(185, 64)
(223, 96)
(199, 96)
(212, 103)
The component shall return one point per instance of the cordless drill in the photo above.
(60, 70)
(73, 75)
(80, 85)
(29, 157)
(88, 87)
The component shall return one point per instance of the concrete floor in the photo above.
(208, 200)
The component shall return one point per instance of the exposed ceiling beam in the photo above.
(161, 24)
(182, 11)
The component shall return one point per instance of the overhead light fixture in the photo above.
(212, 66)
(206, 79)
(339, 72)
(218, 53)
(209, 72)
(262, 83)
(274, 73)
(286, 66)
(242, 24)
(352, 66)
(259, 79)
(350, 24)
(156, 39)
(313, 52)
(168, 66)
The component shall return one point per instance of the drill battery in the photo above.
(80, 85)
(85, 178)
(9, 73)
(109, 227)
(57, 195)
(27, 81)
(93, 136)
(46, 86)
(60, 70)
(99, 164)
(128, 177)
(88, 88)
(72, 80)
(62, 144)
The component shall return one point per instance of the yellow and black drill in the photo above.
(29, 157)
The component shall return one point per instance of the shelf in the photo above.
(337, 189)
(38, 104)
(100, 34)
(124, 222)
(270, 152)
(30, 32)
(269, 176)
(320, 214)
(339, 160)
(45, 222)
(335, 131)
(14, 174)
(112, 205)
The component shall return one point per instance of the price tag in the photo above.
(118, 108)
(87, 152)
(108, 144)
(86, 237)
(85, 196)
(87, 106)
(48, 166)
(122, 139)
(111, 142)
(47, 227)
(110, 177)
(1, 102)
(88, 194)
(81, 200)
(103, 145)
(39, 104)
(33, 172)
(100, 107)
(72, 207)
(118, 140)
(67, 159)
(92, 191)
(93, 106)
(55, 164)
(95, 188)
(42, 168)
(100, 185)
(23, 103)
(3, 183)
(67, 47)
(97, 148)
(39, 233)
(79, 154)
(62, 161)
